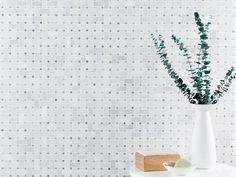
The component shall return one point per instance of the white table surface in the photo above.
(220, 170)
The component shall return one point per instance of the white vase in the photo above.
(203, 150)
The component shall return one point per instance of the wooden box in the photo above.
(152, 161)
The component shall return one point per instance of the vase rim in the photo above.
(203, 107)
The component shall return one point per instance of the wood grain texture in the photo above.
(153, 162)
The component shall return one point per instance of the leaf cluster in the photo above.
(199, 70)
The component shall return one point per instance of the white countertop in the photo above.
(220, 170)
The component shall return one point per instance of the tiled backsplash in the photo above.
(82, 89)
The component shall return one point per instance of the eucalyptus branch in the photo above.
(203, 80)
(185, 53)
(224, 85)
(161, 51)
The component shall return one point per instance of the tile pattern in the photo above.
(82, 89)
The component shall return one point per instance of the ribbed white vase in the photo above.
(203, 149)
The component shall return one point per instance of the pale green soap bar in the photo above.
(183, 163)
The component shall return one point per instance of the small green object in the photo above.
(183, 163)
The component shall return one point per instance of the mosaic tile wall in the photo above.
(81, 88)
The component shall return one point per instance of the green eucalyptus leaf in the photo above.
(203, 36)
(207, 62)
(207, 72)
(200, 24)
(196, 14)
(201, 29)
(203, 67)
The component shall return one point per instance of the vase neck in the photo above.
(203, 108)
